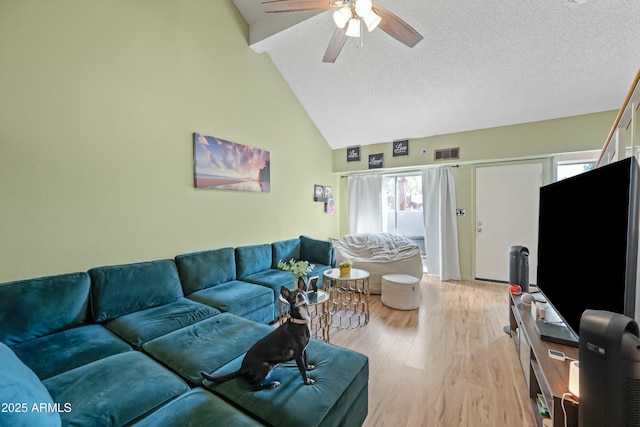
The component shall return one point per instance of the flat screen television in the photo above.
(588, 246)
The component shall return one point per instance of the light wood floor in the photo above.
(447, 364)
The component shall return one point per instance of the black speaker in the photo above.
(519, 267)
(609, 370)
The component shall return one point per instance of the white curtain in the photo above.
(365, 203)
(440, 223)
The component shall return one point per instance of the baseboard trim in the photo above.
(491, 280)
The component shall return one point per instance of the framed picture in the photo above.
(353, 154)
(318, 193)
(376, 161)
(226, 165)
(328, 192)
(401, 148)
(313, 283)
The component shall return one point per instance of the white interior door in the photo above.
(507, 200)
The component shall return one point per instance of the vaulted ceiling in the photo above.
(481, 64)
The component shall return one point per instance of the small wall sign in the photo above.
(330, 206)
(353, 154)
(376, 161)
(401, 148)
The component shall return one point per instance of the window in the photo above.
(402, 210)
(569, 169)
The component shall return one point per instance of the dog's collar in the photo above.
(298, 321)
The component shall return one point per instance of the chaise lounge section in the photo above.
(122, 345)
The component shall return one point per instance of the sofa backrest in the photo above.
(252, 259)
(122, 289)
(201, 270)
(284, 250)
(316, 251)
(36, 307)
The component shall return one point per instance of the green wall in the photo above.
(98, 103)
(535, 142)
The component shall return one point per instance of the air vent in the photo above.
(446, 154)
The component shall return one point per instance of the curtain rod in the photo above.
(390, 172)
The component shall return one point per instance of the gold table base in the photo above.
(348, 298)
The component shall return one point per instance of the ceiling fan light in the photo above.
(353, 30)
(372, 20)
(342, 16)
(363, 7)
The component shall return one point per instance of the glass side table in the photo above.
(348, 297)
(318, 310)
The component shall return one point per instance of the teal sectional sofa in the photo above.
(124, 345)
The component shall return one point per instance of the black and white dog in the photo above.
(288, 342)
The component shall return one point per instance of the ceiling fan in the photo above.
(349, 16)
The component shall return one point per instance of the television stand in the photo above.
(542, 375)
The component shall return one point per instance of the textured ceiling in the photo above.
(481, 64)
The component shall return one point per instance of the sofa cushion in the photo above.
(33, 308)
(274, 280)
(252, 259)
(206, 345)
(239, 298)
(262, 315)
(338, 396)
(198, 407)
(144, 325)
(284, 250)
(316, 251)
(115, 390)
(122, 289)
(56, 353)
(23, 394)
(201, 270)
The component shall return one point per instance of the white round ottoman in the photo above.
(400, 291)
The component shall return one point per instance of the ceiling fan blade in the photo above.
(336, 44)
(397, 28)
(295, 5)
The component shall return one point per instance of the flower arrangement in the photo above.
(345, 267)
(296, 268)
(345, 263)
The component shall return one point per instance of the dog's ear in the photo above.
(284, 291)
(301, 284)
